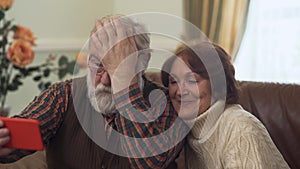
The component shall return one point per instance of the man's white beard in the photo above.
(101, 98)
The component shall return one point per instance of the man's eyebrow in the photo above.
(93, 56)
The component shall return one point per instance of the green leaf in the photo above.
(2, 80)
(41, 86)
(3, 42)
(5, 63)
(47, 85)
(62, 73)
(32, 69)
(17, 81)
(2, 14)
(12, 87)
(17, 76)
(24, 71)
(37, 78)
(46, 72)
(70, 67)
(14, 28)
(62, 61)
(7, 24)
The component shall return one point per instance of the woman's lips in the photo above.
(185, 102)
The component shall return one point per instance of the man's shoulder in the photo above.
(239, 119)
(74, 81)
(69, 83)
(154, 91)
(150, 85)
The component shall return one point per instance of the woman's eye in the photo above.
(173, 82)
(193, 81)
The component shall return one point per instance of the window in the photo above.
(270, 50)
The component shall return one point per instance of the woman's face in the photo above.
(189, 92)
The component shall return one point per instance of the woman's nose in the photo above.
(182, 90)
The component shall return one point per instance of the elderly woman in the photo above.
(205, 94)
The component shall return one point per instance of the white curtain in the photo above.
(270, 50)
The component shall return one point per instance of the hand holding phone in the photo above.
(24, 133)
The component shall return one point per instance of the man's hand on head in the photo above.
(113, 43)
(117, 49)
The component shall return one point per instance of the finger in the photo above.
(4, 140)
(112, 37)
(5, 151)
(97, 33)
(4, 132)
(1, 123)
(98, 24)
(101, 33)
(110, 30)
(95, 40)
(96, 27)
(95, 46)
(120, 29)
(130, 38)
(132, 43)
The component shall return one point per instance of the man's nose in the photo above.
(105, 79)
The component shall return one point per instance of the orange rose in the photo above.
(20, 53)
(24, 33)
(81, 59)
(6, 4)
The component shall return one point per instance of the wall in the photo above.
(63, 26)
(59, 22)
(172, 7)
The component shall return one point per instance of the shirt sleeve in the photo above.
(49, 109)
(156, 123)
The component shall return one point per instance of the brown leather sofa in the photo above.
(276, 105)
(278, 108)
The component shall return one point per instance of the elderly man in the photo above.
(96, 121)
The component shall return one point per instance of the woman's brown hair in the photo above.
(211, 70)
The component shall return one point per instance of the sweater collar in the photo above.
(205, 123)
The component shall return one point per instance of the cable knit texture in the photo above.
(236, 139)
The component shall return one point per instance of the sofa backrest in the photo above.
(278, 108)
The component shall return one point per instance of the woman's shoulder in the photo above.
(237, 112)
(237, 118)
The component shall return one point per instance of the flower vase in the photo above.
(4, 111)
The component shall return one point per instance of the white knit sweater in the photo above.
(231, 139)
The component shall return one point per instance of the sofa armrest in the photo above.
(36, 160)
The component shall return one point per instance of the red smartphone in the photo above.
(24, 133)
